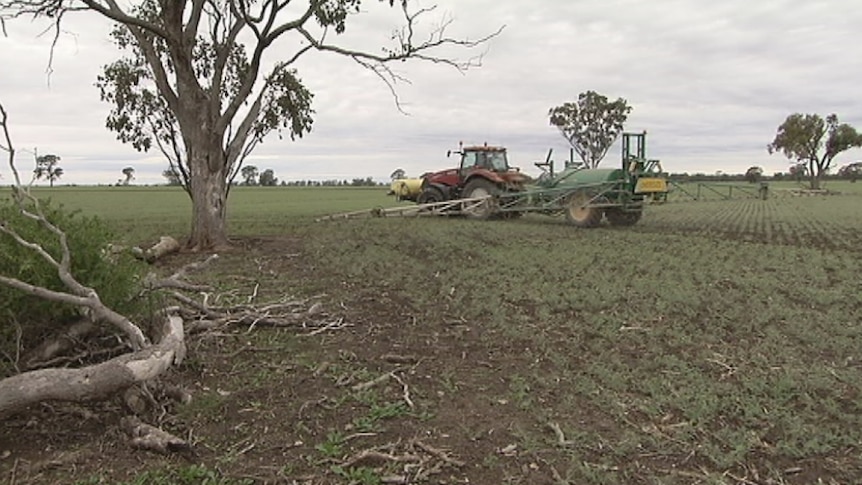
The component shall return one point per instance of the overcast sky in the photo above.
(710, 81)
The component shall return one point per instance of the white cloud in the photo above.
(710, 82)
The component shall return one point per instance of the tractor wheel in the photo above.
(480, 188)
(578, 215)
(430, 195)
(619, 217)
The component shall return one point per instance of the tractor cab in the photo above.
(483, 158)
(485, 163)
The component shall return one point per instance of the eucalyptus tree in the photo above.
(813, 142)
(591, 124)
(195, 83)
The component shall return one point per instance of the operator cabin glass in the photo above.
(497, 161)
(469, 160)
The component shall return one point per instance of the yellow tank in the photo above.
(406, 189)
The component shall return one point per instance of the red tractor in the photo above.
(484, 171)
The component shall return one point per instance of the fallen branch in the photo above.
(335, 324)
(148, 437)
(440, 454)
(369, 384)
(399, 359)
(405, 388)
(166, 245)
(95, 381)
(374, 457)
(561, 438)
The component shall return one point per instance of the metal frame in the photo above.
(549, 201)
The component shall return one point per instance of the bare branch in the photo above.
(80, 294)
(96, 381)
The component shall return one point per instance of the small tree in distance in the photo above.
(173, 176)
(129, 173)
(591, 125)
(798, 171)
(267, 178)
(249, 175)
(47, 167)
(851, 172)
(814, 142)
(753, 174)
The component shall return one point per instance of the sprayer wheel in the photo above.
(578, 213)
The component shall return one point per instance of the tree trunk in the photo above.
(96, 381)
(815, 182)
(209, 201)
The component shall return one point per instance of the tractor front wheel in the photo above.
(480, 188)
(579, 213)
(430, 195)
(619, 217)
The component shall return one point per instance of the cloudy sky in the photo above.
(709, 81)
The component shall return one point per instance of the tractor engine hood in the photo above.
(449, 172)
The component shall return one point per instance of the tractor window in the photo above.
(497, 161)
(469, 160)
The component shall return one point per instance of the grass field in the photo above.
(714, 342)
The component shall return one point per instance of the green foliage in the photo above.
(88, 237)
(371, 421)
(147, 114)
(358, 475)
(189, 475)
(591, 125)
(718, 336)
(811, 140)
(333, 447)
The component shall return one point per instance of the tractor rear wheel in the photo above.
(578, 212)
(481, 188)
(619, 217)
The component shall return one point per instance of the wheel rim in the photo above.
(480, 209)
(577, 211)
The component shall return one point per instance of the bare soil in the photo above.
(267, 402)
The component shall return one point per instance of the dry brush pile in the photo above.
(82, 323)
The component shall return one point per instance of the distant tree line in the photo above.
(799, 173)
(356, 182)
(251, 176)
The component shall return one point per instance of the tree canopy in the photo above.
(47, 167)
(811, 140)
(195, 85)
(129, 174)
(591, 125)
(754, 174)
(267, 178)
(249, 175)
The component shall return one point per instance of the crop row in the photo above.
(823, 222)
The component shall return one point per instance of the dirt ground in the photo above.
(383, 397)
(568, 368)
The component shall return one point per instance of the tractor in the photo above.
(485, 186)
(484, 171)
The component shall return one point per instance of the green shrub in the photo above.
(115, 278)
